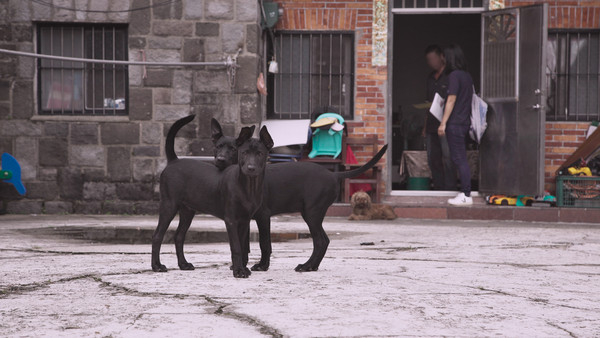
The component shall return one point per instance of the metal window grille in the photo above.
(316, 69)
(78, 88)
(439, 4)
(573, 75)
(499, 58)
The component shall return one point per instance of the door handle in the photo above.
(536, 106)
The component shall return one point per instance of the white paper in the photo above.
(288, 132)
(437, 107)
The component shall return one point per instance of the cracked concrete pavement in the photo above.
(420, 278)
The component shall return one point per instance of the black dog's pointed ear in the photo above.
(216, 130)
(245, 135)
(265, 138)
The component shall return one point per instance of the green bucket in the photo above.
(418, 183)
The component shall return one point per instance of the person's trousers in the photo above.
(457, 142)
(443, 172)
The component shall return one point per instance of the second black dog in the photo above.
(307, 188)
(225, 146)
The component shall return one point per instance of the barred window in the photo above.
(79, 88)
(316, 69)
(573, 75)
(437, 4)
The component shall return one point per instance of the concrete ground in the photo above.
(64, 276)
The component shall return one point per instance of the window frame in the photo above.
(439, 6)
(87, 68)
(272, 92)
(569, 116)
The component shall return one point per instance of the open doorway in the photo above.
(412, 34)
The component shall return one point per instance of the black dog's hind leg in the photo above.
(264, 237)
(314, 220)
(167, 212)
(237, 249)
(186, 216)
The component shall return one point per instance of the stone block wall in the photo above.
(112, 164)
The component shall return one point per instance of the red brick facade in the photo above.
(370, 82)
(562, 138)
(370, 103)
(568, 14)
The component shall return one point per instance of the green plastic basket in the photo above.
(578, 191)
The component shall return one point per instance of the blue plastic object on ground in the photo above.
(327, 142)
(11, 165)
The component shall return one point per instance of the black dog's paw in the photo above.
(241, 273)
(260, 267)
(159, 268)
(305, 268)
(186, 266)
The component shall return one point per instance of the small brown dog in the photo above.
(363, 209)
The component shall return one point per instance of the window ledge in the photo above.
(80, 118)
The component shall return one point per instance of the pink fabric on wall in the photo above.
(354, 187)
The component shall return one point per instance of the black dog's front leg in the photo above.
(244, 235)
(264, 233)
(237, 251)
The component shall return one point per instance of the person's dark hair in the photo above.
(455, 58)
(433, 49)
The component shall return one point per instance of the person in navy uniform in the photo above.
(443, 172)
(457, 118)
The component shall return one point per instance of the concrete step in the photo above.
(429, 201)
(437, 208)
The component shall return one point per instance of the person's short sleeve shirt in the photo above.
(440, 86)
(460, 84)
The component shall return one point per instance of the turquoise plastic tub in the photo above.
(418, 183)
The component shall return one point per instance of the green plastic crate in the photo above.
(578, 191)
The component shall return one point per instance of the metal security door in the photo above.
(513, 83)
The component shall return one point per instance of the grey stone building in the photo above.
(90, 137)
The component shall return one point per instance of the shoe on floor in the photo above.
(461, 199)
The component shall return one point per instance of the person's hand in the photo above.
(423, 132)
(442, 130)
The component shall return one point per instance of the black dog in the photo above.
(188, 186)
(302, 187)
(225, 148)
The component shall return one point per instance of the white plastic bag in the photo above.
(478, 117)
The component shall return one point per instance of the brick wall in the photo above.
(370, 114)
(568, 14)
(370, 82)
(563, 138)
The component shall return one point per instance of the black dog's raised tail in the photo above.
(170, 143)
(367, 166)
